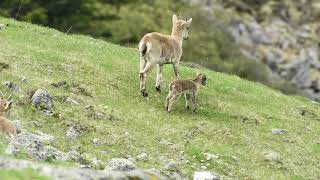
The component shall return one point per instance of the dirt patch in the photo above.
(73, 87)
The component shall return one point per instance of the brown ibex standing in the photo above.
(158, 49)
(187, 87)
(5, 124)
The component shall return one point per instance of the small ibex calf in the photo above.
(6, 125)
(187, 87)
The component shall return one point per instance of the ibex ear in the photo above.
(174, 18)
(189, 21)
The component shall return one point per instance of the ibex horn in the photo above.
(10, 96)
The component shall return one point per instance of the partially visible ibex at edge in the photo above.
(6, 125)
(158, 49)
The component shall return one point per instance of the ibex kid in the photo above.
(187, 87)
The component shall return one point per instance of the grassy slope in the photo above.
(229, 109)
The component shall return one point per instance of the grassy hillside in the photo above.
(235, 117)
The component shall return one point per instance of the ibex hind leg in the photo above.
(143, 78)
(159, 77)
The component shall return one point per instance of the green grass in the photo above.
(234, 120)
(23, 174)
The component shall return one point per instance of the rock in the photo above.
(165, 142)
(47, 112)
(42, 99)
(45, 137)
(12, 86)
(23, 79)
(210, 157)
(68, 173)
(205, 175)
(72, 133)
(75, 156)
(119, 164)
(97, 142)
(18, 125)
(97, 162)
(203, 167)
(299, 73)
(155, 171)
(143, 157)
(72, 101)
(55, 154)
(171, 166)
(34, 146)
(273, 157)
(279, 131)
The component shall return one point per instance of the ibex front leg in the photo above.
(176, 70)
(159, 77)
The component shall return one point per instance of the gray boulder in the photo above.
(279, 131)
(12, 86)
(42, 99)
(206, 175)
(34, 145)
(273, 157)
(119, 164)
(72, 133)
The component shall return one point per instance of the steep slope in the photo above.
(234, 122)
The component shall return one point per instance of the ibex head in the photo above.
(5, 103)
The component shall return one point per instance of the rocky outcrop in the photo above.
(75, 173)
(289, 52)
(284, 36)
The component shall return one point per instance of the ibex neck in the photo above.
(177, 35)
(197, 81)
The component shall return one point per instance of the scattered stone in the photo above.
(42, 99)
(210, 157)
(119, 164)
(72, 101)
(203, 167)
(97, 162)
(279, 131)
(45, 137)
(97, 142)
(205, 175)
(75, 156)
(24, 79)
(47, 112)
(18, 125)
(143, 157)
(72, 133)
(165, 142)
(171, 166)
(12, 86)
(155, 171)
(273, 157)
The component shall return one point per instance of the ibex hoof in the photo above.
(144, 93)
(158, 89)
